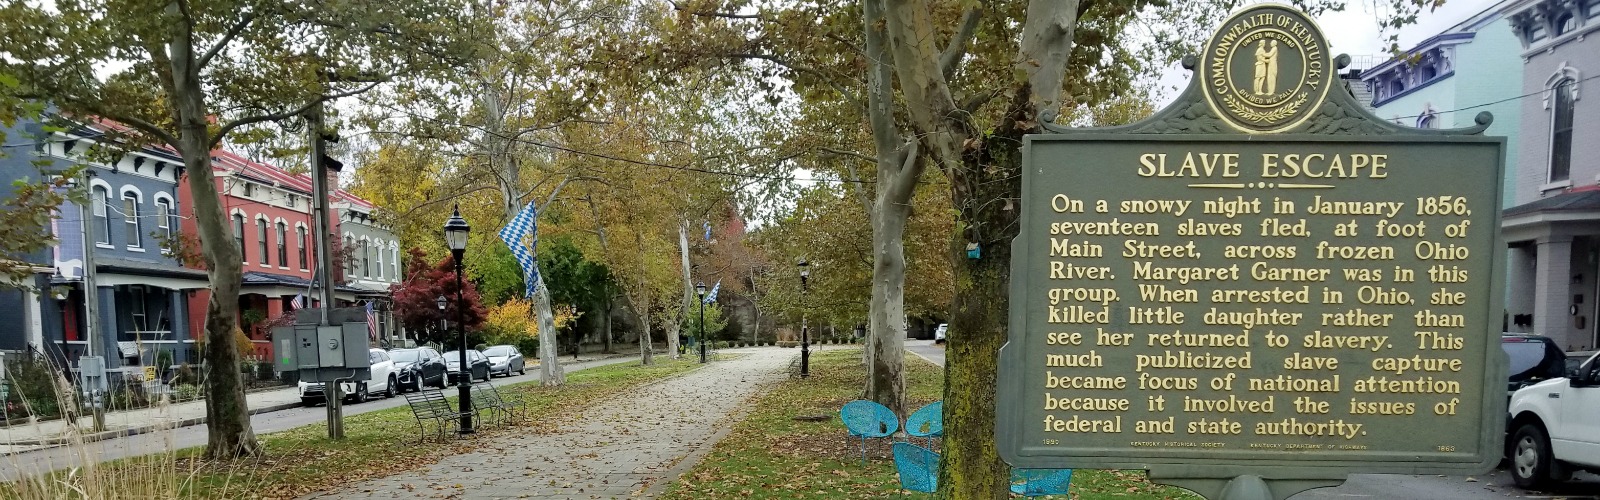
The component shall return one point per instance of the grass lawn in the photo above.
(772, 455)
(303, 460)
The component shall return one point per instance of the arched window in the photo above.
(302, 237)
(283, 244)
(366, 259)
(379, 251)
(1561, 132)
(102, 222)
(1428, 72)
(349, 256)
(238, 236)
(165, 219)
(394, 260)
(130, 215)
(261, 240)
(1396, 87)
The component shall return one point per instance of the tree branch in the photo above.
(841, 152)
(951, 58)
(223, 132)
(226, 38)
(677, 7)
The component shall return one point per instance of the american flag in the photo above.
(524, 227)
(299, 301)
(372, 322)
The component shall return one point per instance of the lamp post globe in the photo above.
(805, 333)
(700, 290)
(455, 236)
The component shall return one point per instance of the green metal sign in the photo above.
(1262, 281)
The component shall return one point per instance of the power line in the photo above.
(1487, 104)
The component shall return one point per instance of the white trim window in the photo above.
(165, 222)
(130, 216)
(283, 244)
(300, 232)
(261, 241)
(102, 221)
(238, 236)
(1561, 131)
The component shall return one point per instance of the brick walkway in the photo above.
(616, 448)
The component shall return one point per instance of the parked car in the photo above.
(938, 333)
(1556, 431)
(1534, 359)
(477, 369)
(504, 359)
(384, 381)
(418, 368)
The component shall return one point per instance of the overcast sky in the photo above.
(1354, 31)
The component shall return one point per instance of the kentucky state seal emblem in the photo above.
(1266, 69)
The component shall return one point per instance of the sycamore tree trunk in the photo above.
(884, 353)
(228, 431)
(688, 284)
(899, 168)
(550, 371)
(645, 354)
(982, 173)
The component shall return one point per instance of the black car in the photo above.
(478, 365)
(1534, 359)
(418, 368)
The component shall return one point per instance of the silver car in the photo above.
(504, 359)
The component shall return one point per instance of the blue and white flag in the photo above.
(521, 235)
(712, 297)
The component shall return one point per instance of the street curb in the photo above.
(134, 431)
(925, 358)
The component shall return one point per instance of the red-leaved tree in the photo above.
(416, 299)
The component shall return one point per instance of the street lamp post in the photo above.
(700, 289)
(455, 235)
(805, 333)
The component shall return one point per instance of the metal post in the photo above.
(702, 329)
(805, 333)
(91, 302)
(465, 383)
(319, 213)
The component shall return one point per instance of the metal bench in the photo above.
(486, 398)
(431, 405)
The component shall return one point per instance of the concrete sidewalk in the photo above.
(624, 446)
(28, 437)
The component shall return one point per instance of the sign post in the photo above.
(1259, 290)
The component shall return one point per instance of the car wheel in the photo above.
(1530, 457)
(522, 370)
(389, 390)
(361, 394)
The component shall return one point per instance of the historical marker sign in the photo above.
(1265, 280)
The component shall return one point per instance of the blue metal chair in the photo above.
(868, 419)
(918, 468)
(1040, 482)
(927, 422)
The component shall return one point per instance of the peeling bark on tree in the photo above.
(228, 431)
(688, 283)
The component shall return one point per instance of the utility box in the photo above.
(283, 350)
(92, 373)
(324, 353)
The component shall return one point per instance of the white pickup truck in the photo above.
(1555, 427)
